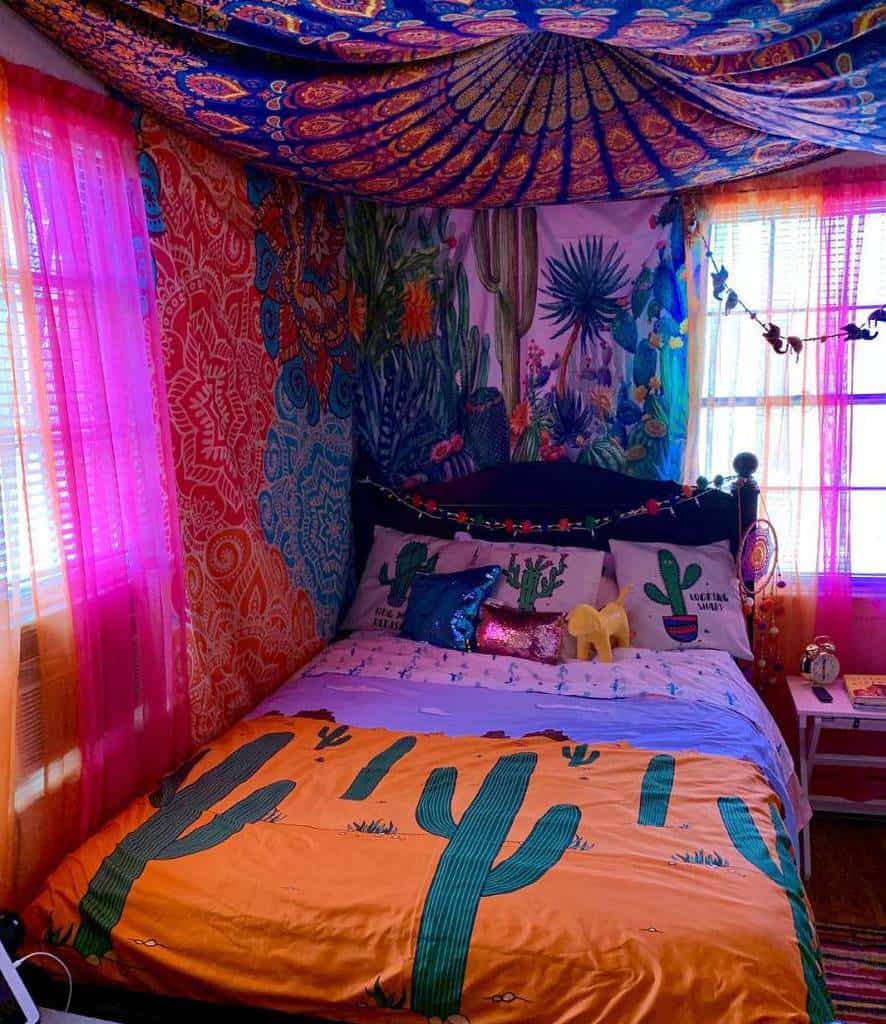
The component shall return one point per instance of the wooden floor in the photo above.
(848, 883)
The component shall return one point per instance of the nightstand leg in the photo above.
(808, 748)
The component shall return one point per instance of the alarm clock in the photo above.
(819, 663)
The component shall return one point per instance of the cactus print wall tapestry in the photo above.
(252, 299)
(549, 333)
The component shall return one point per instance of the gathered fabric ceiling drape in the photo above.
(476, 103)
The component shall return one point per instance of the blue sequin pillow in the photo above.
(443, 608)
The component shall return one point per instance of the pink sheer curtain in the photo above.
(121, 559)
(845, 205)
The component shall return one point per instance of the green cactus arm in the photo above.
(818, 1002)
(486, 255)
(655, 791)
(245, 812)
(670, 574)
(746, 836)
(750, 844)
(528, 269)
(170, 784)
(654, 594)
(553, 581)
(511, 572)
(434, 810)
(383, 578)
(691, 576)
(539, 852)
(369, 777)
(430, 565)
(240, 765)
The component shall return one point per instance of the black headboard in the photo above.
(548, 491)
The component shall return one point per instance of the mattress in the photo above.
(407, 833)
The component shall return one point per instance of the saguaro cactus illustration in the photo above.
(506, 253)
(679, 626)
(531, 581)
(750, 844)
(465, 873)
(370, 776)
(576, 757)
(161, 836)
(327, 737)
(412, 559)
(655, 792)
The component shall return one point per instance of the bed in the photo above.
(404, 832)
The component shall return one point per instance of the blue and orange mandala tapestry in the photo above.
(482, 104)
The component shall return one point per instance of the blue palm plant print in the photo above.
(583, 285)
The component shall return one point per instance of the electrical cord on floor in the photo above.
(58, 960)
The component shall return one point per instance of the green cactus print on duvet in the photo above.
(535, 580)
(465, 872)
(678, 625)
(746, 838)
(161, 837)
(412, 560)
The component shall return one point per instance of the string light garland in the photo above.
(519, 526)
(772, 332)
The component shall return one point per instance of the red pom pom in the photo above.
(563, 525)
(687, 490)
(508, 525)
(416, 500)
(431, 505)
(652, 507)
(525, 526)
(461, 517)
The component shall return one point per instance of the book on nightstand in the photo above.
(866, 691)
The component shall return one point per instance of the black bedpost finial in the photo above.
(745, 464)
(745, 489)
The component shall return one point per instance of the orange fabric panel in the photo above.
(304, 908)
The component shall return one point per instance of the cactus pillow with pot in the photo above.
(683, 596)
(395, 562)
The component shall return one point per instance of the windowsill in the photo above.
(867, 586)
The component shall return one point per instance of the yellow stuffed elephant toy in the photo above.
(604, 628)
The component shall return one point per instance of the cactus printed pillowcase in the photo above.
(542, 579)
(682, 597)
(394, 563)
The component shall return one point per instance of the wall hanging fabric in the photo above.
(476, 103)
(252, 299)
(549, 333)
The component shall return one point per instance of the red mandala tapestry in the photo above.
(253, 615)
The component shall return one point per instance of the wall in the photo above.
(252, 302)
(21, 44)
(550, 333)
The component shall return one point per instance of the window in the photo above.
(29, 545)
(805, 271)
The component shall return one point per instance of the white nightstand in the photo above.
(58, 1017)
(813, 715)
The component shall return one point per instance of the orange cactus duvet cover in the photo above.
(366, 874)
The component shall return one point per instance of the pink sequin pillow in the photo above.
(537, 636)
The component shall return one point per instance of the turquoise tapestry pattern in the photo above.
(305, 508)
(484, 104)
(523, 335)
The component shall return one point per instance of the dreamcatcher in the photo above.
(759, 581)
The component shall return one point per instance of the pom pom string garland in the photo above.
(431, 508)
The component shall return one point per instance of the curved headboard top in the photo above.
(548, 491)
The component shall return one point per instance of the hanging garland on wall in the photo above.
(772, 333)
(431, 508)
